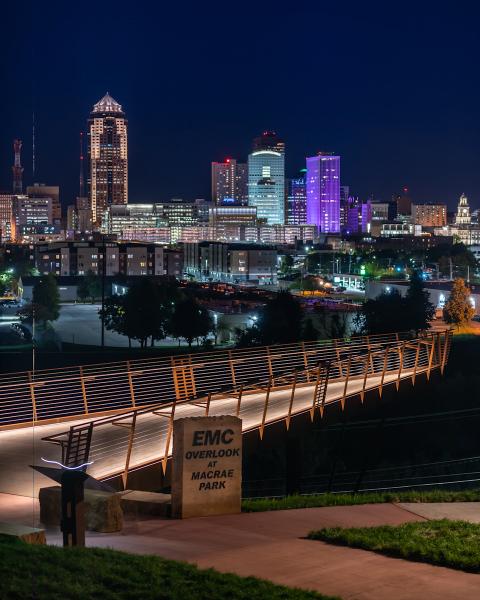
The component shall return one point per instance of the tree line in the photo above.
(152, 310)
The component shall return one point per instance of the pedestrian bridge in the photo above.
(121, 414)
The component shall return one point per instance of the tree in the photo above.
(384, 314)
(191, 320)
(419, 311)
(280, 321)
(89, 287)
(458, 310)
(45, 305)
(144, 312)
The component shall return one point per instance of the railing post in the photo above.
(290, 406)
(264, 416)
(401, 352)
(207, 406)
(32, 396)
(84, 391)
(430, 358)
(447, 335)
(270, 368)
(365, 376)
(305, 362)
(232, 370)
(417, 355)
(130, 383)
(385, 364)
(346, 382)
(169, 437)
(240, 393)
(129, 450)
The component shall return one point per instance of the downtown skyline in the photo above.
(395, 109)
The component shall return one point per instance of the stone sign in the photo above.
(207, 466)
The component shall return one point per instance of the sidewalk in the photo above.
(270, 545)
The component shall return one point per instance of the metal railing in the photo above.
(85, 391)
(142, 436)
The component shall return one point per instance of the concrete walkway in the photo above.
(271, 545)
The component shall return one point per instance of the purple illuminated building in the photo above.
(323, 192)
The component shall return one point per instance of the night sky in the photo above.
(396, 92)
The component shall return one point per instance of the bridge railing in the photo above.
(144, 435)
(75, 392)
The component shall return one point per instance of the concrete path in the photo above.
(271, 545)
(455, 511)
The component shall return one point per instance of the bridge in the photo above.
(119, 416)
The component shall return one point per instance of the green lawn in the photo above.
(454, 544)
(50, 573)
(262, 504)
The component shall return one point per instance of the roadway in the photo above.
(24, 447)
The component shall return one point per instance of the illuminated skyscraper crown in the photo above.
(107, 105)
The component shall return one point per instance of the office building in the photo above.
(108, 156)
(266, 179)
(429, 215)
(233, 263)
(40, 190)
(229, 182)
(235, 215)
(297, 200)
(323, 192)
(30, 211)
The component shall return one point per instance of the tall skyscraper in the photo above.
(266, 178)
(323, 192)
(229, 182)
(297, 200)
(108, 155)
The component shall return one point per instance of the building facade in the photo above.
(462, 216)
(108, 156)
(229, 182)
(297, 200)
(429, 215)
(266, 179)
(323, 192)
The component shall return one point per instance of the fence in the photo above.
(285, 383)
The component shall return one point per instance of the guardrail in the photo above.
(142, 438)
(75, 392)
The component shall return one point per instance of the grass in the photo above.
(289, 502)
(454, 544)
(47, 572)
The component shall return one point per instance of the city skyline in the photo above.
(422, 132)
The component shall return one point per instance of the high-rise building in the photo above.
(108, 155)
(297, 200)
(344, 196)
(404, 202)
(266, 178)
(323, 192)
(462, 216)
(229, 182)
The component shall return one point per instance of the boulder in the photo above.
(103, 512)
(145, 504)
(30, 535)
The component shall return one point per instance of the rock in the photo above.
(103, 512)
(30, 535)
(151, 504)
